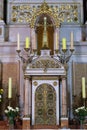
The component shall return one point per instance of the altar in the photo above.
(45, 72)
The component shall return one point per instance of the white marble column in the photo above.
(27, 100)
(30, 96)
(2, 24)
(64, 98)
(56, 39)
(33, 39)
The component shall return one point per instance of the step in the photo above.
(45, 127)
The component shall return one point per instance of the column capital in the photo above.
(27, 77)
(63, 77)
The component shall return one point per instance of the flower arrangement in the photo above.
(81, 112)
(1, 95)
(11, 113)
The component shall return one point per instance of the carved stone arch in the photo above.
(45, 9)
(52, 22)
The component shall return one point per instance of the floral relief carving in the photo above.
(44, 63)
(25, 13)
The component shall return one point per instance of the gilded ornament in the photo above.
(14, 19)
(14, 7)
(35, 83)
(55, 83)
(58, 13)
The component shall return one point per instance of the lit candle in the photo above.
(83, 88)
(57, 41)
(18, 42)
(71, 40)
(64, 43)
(10, 88)
(27, 42)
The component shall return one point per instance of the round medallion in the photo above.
(55, 83)
(35, 83)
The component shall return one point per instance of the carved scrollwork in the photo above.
(25, 13)
(46, 63)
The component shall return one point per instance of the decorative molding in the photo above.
(26, 13)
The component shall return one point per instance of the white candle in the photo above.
(10, 88)
(57, 41)
(71, 40)
(18, 42)
(83, 88)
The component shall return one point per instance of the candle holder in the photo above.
(72, 50)
(9, 101)
(56, 51)
(26, 49)
(64, 50)
(26, 55)
(63, 57)
(18, 51)
(84, 102)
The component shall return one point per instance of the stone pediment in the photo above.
(45, 65)
(46, 62)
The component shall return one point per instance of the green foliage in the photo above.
(81, 112)
(1, 95)
(11, 113)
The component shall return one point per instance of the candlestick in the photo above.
(27, 42)
(83, 88)
(64, 43)
(71, 41)
(18, 42)
(10, 88)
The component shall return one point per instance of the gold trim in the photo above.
(55, 83)
(46, 78)
(35, 83)
(45, 9)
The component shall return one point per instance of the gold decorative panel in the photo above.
(45, 105)
(46, 63)
(61, 12)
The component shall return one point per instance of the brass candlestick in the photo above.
(9, 100)
(84, 102)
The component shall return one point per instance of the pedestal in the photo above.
(64, 122)
(26, 123)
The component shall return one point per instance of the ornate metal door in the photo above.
(45, 105)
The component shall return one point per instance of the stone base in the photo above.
(26, 123)
(64, 122)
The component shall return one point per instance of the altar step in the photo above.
(4, 125)
(45, 127)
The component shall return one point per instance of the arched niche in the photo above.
(39, 32)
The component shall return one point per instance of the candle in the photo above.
(10, 88)
(27, 42)
(71, 40)
(57, 41)
(18, 42)
(64, 43)
(83, 88)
